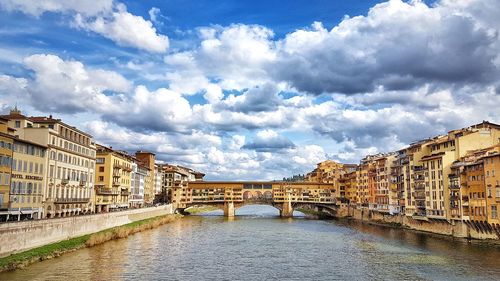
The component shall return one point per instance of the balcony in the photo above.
(454, 185)
(419, 187)
(116, 183)
(64, 181)
(419, 168)
(420, 196)
(419, 178)
(105, 191)
(71, 200)
(125, 193)
(83, 182)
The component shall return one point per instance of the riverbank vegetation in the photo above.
(26, 258)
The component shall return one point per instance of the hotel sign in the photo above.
(27, 177)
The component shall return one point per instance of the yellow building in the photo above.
(363, 194)
(330, 171)
(476, 191)
(71, 162)
(492, 184)
(348, 184)
(29, 170)
(6, 145)
(112, 179)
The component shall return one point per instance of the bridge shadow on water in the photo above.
(253, 211)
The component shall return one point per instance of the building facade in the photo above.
(138, 176)
(112, 179)
(6, 147)
(147, 159)
(70, 165)
(28, 180)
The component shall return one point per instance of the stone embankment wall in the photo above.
(455, 229)
(20, 236)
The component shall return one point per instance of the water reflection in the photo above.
(252, 211)
(258, 245)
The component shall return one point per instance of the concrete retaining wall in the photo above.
(455, 229)
(20, 236)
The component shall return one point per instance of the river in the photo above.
(258, 245)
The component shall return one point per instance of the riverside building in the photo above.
(138, 178)
(70, 164)
(147, 159)
(112, 179)
(492, 183)
(28, 180)
(6, 146)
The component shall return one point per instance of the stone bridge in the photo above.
(285, 196)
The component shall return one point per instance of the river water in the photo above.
(258, 245)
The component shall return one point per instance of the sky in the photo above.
(253, 90)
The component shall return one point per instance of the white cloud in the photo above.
(126, 29)
(37, 8)
(105, 17)
(398, 45)
(403, 72)
(68, 86)
(153, 14)
(12, 91)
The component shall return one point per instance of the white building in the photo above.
(138, 181)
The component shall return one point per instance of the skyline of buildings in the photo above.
(52, 169)
(448, 177)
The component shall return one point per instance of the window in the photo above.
(101, 178)
(18, 124)
(99, 160)
(101, 169)
(494, 212)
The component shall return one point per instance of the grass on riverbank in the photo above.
(200, 209)
(26, 258)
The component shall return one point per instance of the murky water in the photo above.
(261, 246)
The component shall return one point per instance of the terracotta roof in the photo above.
(433, 156)
(14, 116)
(43, 119)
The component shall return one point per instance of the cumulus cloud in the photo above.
(157, 110)
(257, 99)
(125, 29)
(107, 18)
(68, 86)
(234, 56)
(12, 90)
(269, 141)
(373, 83)
(154, 13)
(398, 45)
(37, 8)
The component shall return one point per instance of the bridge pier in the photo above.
(229, 209)
(287, 210)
